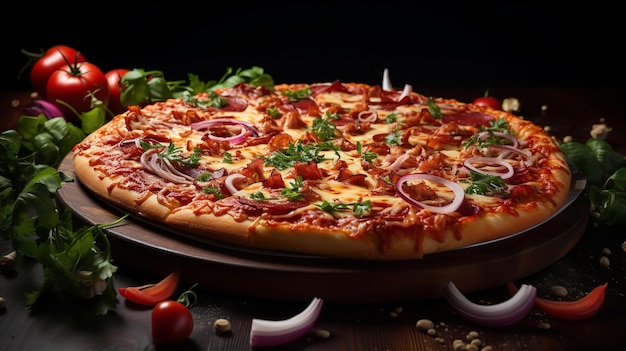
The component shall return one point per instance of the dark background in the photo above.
(427, 44)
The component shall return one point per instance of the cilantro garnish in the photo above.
(369, 156)
(296, 152)
(175, 153)
(324, 128)
(228, 158)
(213, 190)
(433, 108)
(258, 196)
(214, 101)
(486, 184)
(359, 208)
(497, 125)
(394, 138)
(293, 193)
(298, 94)
(273, 112)
(391, 118)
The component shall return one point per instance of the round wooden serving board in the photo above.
(281, 276)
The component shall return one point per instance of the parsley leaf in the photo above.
(360, 208)
(486, 184)
(324, 128)
(293, 193)
(433, 108)
(295, 152)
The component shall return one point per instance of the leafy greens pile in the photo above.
(76, 263)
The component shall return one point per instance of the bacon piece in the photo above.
(334, 86)
(292, 120)
(469, 118)
(274, 181)
(254, 169)
(280, 142)
(269, 207)
(308, 170)
(235, 104)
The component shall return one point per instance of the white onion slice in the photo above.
(367, 116)
(494, 161)
(408, 89)
(485, 134)
(502, 314)
(228, 182)
(386, 81)
(459, 193)
(266, 333)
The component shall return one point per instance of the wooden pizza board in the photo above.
(155, 250)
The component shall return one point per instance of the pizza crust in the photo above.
(254, 233)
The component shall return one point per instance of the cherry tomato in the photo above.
(488, 101)
(115, 88)
(172, 323)
(55, 57)
(74, 84)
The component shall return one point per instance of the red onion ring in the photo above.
(265, 333)
(490, 161)
(367, 116)
(459, 193)
(229, 182)
(502, 314)
(224, 121)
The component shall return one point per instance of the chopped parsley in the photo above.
(228, 158)
(358, 208)
(369, 156)
(213, 190)
(174, 153)
(394, 138)
(205, 176)
(293, 193)
(433, 108)
(296, 152)
(485, 184)
(324, 128)
(273, 112)
(497, 125)
(391, 118)
(258, 196)
(298, 94)
(214, 101)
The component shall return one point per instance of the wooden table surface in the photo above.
(387, 325)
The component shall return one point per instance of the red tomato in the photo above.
(73, 85)
(488, 101)
(54, 58)
(115, 88)
(152, 294)
(172, 323)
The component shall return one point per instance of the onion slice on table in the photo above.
(490, 161)
(502, 314)
(457, 190)
(265, 333)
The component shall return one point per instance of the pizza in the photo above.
(344, 170)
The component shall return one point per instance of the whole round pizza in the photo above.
(333, 169)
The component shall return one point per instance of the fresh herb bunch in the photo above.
(76, 263)
(605, 172)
